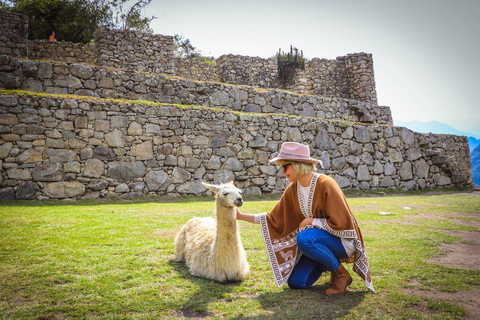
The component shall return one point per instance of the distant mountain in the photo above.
(438, 127)
(473, 143)
(475, 156)
(434, 127)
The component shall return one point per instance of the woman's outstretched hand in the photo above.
(306, 222)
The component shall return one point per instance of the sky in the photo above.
(425, 52)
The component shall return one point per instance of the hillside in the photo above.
(476, 166)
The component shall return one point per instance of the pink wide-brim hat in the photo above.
(293, 151)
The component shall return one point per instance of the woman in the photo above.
(312, 217)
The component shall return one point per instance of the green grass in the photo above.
(114, 260)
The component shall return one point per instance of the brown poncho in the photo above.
(327, 203)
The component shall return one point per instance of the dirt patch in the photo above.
(459, 255)
(470, 300)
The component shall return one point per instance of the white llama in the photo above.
(212, 248)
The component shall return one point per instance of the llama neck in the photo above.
(227, 233)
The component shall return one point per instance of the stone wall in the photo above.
(196, 70)
(134, 51)
(85, 80)
(14, 34)
(61, 51)
(251, 71)
(350, 77)
(54, 147)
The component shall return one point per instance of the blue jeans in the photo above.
(321, 252)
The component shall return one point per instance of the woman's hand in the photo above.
(305, 222)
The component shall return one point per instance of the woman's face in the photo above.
(289, 171)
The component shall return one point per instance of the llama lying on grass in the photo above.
(212, 248)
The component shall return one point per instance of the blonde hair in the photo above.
(301, 168)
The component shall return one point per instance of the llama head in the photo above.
(227, 194)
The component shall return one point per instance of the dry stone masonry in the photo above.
(62, 51)
(198, 122)
(86, 80)
(134, 51)
(54, 147)
(14, 34)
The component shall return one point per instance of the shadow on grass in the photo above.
(208, 291)
(310, 303)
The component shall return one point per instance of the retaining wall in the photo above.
(134, 51)
(85, 80)
(61, 51)
(52, 147)
(14, 34)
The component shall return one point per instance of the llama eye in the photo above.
(225, 194)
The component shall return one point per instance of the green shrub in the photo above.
(288, 64)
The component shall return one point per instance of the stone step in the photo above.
(87, 80)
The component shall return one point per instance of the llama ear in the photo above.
(212, 187)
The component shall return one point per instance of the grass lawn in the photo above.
(114, 260)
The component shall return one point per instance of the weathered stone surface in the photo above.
(61, 155)
(26, 190)
(219, 98)
(114, 138)
(223, 176)
(406, 171)
(81, 71)
(342, 181)
(421, 169)
(387, 182)
(413, 153)
(389, 169)
(48, 172)
(5, 149)
(180, 175)
(125, 171)
(191, 187)
(32, 85)
(7, 194)
(98, 184)
(8, 101)
(143, 151)
(19, 174)
(444, 180)
(135, 129)
(8, 119)
(362, 135)
(72, 167)
(156, 180)
(30, 156)
(64, 189)
(103, 153)
(45, 70)
(407, 136)
(323, 140)
(94, 168)
(67, 81)
(377, 167)
(362, 173)
(232, 164)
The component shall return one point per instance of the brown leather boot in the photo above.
(340, 280)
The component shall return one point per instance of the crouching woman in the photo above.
(311, 229)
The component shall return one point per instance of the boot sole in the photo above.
(341, 293)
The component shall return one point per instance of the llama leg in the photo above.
(180, 242)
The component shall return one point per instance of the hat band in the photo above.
(293, 156)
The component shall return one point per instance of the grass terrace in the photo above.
(112, 259)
